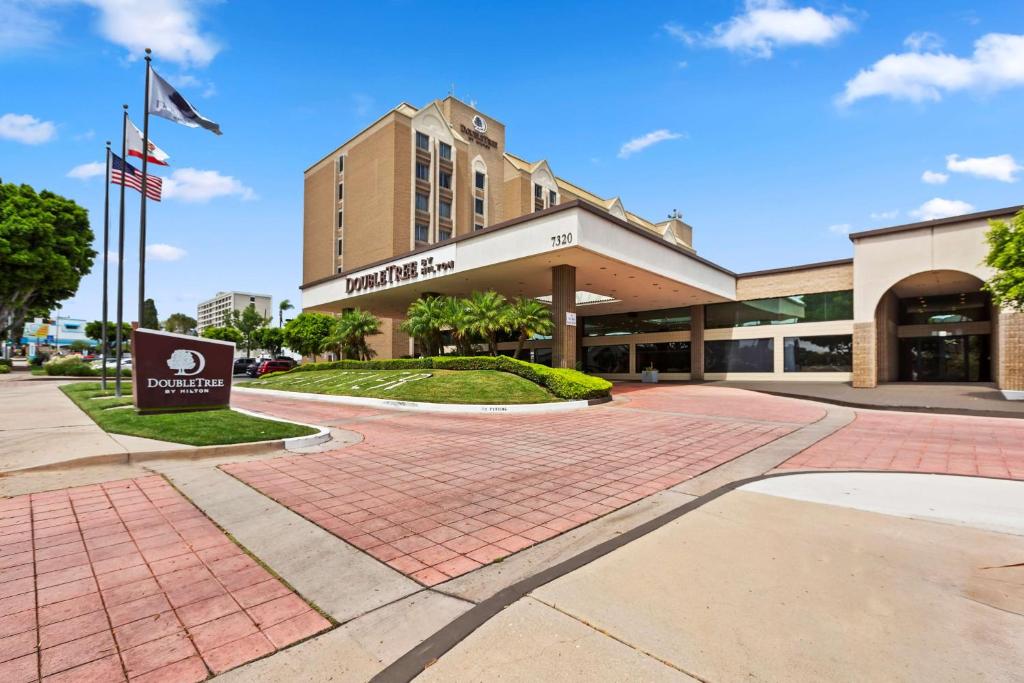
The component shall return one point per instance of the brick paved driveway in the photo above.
(921, 442)
(129, 579)
(436, 496)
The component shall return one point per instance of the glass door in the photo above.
(945, 359)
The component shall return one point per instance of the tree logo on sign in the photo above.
(186, 362)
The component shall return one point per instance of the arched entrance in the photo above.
(935, 326)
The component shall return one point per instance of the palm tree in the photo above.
(425, 321)
(486, 315)
(528, 317)
(285, 305)
(349, 332)
(457, 322)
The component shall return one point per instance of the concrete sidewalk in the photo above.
(766, 584)
(39, 425)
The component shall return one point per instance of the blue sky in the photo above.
(774, 127)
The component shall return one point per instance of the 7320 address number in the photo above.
(561, 240)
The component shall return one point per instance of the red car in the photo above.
(273, 366)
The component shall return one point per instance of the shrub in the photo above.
(575, 385)
(466, 362)
(4, 368)
(75, 367)
(39, 359)
(5, 361)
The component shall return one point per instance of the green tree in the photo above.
(285, 305)
(45, 249)
(248, 321)
(306, 332)
(487, 315)
(224, 334)
(94, 330)
(1006, 256)
(271, 339)
(528, 317)
(79, 346)
(150, 318)
(456, 321)
(425, 322)
(349, 332)
(180, 323)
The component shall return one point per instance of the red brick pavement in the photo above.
(129, 580)
(436, 496)
(920, 442)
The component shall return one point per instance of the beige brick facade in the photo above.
(865, 361)
(789, 282)
(1010, 349)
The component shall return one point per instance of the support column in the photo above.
(697, 342)
(563, 300)
(865, 355)
(1009, 352)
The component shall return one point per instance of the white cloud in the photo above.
(997, 63)
(195, 185)
(941, 208)
(884, 215)
(767, 25)
(89, 170)
(26, 128)
(170, 27)
(164, 252)
(923, 41)
(644, 141)
(934, 178)
(840, 228)
(23, 28)
(1003, 167)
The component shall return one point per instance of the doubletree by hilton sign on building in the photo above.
(398, 273)
(175, 372)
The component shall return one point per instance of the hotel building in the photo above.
(427, 201)
(213, 312)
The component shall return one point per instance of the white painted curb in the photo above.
(416, 406)
(323, 433)
(1012, 395)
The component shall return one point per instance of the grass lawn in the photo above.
(203, 428)
(430, 386)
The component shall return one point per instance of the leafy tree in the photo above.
(79, 346)
(1006, 256)
(150, 318)
(94, 330)
(457, 323)
(486, 315)
(349, 332)
(248, 321)
(306, 332)
(45, 249)
(224, 334)
(528, 317)
(271, 339)
(285, 305)
(425, 321)
(180, 323)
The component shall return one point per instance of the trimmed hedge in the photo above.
(6, 361)
(76, 368)
(4, 368)
(562, 382)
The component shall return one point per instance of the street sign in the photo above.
(570, 319)
(178, 372)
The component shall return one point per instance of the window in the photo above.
(422, 141)
(552, 197)
(422, 232)
(444, 179)
(341, 164)
(338, 269)
(446, 151)
(340, 250)
(739, 355)
(341, 219)
(783, 310)
(341, 191)
(445, 209)
(542, 357)
(826, 353)
(606, 359)
(480, 180)
(422, 202)
(538, 192)
(965, 307)
(664, 320)
(478, 206)
(664, 356)
(422, 171)
(478, 226)
(443, 235)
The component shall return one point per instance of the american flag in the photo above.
(122, 172)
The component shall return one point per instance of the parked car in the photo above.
(262, 368)
(242, 364)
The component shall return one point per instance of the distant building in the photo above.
(213, 312)
(54, 332)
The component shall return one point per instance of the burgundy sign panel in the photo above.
(179, 372)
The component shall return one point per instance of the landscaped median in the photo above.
(483, 380)
(198, 428)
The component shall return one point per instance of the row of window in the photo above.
(822, 353)
(422, 233)
(423, 142)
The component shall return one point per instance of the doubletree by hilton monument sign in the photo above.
(174, 372)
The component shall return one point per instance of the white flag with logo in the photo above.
(134, 140)
(168, 103)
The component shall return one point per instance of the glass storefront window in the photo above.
(542, 357)
(664, 357)
(825, 353)
(966, 307)
(966, 358)
(783, 310)
(663, 320)
(739, 355)
(606, 359)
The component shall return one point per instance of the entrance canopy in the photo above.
(618, 267)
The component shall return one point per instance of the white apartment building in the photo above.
(213, 312)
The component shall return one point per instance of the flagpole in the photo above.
(106, 248)
(120, 255)
(142, 210)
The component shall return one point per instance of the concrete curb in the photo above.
(192, 453)
(416, 406)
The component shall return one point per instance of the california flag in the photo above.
(134, 140)
(167, 102)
